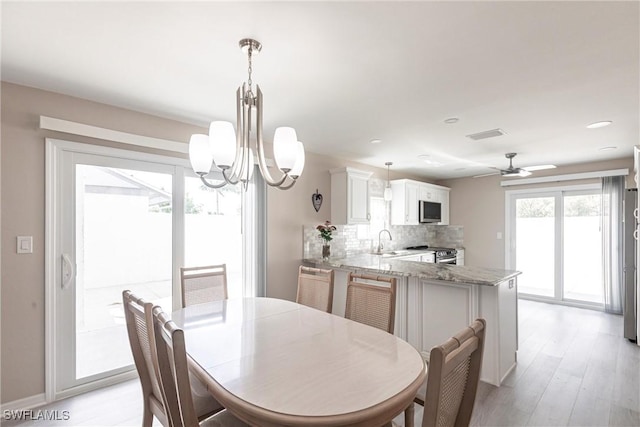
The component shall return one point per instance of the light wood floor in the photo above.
(574, 369)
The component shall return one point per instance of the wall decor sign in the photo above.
(316, 199)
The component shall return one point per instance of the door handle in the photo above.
(68, 271)
(635, 213)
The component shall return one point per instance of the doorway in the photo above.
(555, 240)
(118, 220)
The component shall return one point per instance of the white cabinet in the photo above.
(428, 312)
(424, 257)
(407, 193)
(349, 196)
(404, 204)
(444, 206)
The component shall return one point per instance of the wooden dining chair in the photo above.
(142, 341)
(203, 284)
(371, 300)
(453, 377)
(175, 384)
(315, 288)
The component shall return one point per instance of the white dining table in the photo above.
(273, 362)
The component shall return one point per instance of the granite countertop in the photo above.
(398, 267)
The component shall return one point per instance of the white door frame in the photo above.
(510, 244)
(254, 242)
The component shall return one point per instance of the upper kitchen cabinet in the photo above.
(349, 196)
(404, 202)
(407, 193)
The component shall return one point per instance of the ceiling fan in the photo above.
(512, 172)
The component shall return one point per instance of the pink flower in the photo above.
(325, 231)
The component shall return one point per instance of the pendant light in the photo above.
(387, 191)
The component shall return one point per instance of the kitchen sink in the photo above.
(391, 253)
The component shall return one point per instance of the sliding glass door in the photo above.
(556, 242)
(582, 248)
(120, 220)
(535, 236)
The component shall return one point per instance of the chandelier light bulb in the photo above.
(222, 142)
(298, 167)
(285, 148)
(200, 154)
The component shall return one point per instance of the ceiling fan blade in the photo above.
(486, 174)
(539, 167)
(519, 172)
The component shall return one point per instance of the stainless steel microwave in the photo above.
(429, 211)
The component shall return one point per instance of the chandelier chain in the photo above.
(250, 69)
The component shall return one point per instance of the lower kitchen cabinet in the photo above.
(428, 312)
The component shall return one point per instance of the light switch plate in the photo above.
(24, 244)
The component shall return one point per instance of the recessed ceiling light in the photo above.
(607, 148)
(451, 120)
(597, 125)
(375, 141)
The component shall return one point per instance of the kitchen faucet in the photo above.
(380, 247)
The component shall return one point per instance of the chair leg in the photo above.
(409, 415)
(147, 417)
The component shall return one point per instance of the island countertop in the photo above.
(388, 265)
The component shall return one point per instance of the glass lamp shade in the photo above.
(200, 154)
(296, 171)
(222, 143)
(284, 148)
(388, 195)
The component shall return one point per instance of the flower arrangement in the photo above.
(325, 231)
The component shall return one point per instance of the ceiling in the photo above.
(344, 74)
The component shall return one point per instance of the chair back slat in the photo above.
(203, 284)
(142, 342)
(371, 300)
(174, 370)
(315, 288)
(452, 382)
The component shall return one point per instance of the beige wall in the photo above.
(478, 204)
(22, 295)
(23, 203)
(289, 210)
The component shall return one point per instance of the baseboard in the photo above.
(25, 403)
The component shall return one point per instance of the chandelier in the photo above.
(233, 153)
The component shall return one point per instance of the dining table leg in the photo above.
(408, 415)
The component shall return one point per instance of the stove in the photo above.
(442, 255)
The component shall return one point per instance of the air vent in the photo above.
(486, 134)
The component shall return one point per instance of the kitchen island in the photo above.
(435, 301)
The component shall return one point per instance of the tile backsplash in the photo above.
(357, 239)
